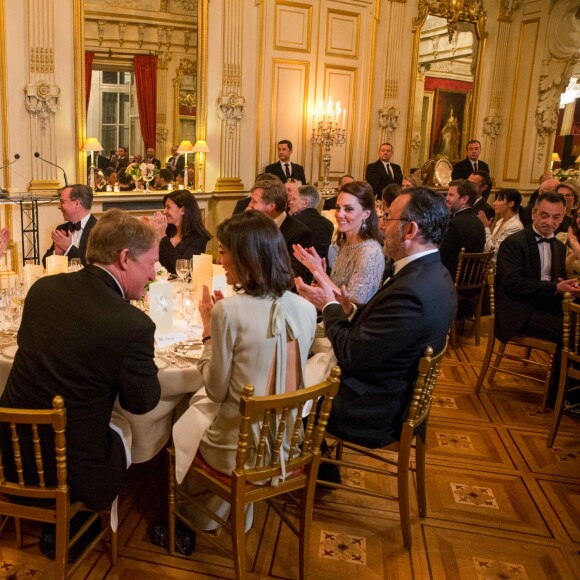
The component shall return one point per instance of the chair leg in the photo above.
(306, 507)
(454, 335)
(171, 502)
(498, 358)
(527, 355)
(18, 526)
(557, 414)
(548, 381)
(403, 490)
(114, 547)
(61, 551)
(420, 476)
(485, 364)
(238, 515)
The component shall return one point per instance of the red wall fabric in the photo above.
(146, 84)
(432, 83)
(89, 56)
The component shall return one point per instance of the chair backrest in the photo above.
(427, 373)
(571, 337)
(472, 269)
(283, 414)
(19, 421)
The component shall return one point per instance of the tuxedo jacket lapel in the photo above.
(535, 263)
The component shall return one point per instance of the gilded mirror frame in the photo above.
(79, 44)
(186, 67)
(453, 11)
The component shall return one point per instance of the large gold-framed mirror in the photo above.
(446, 79)
(114, 32)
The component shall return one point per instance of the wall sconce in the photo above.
(201, 148)
(92, 144)
(555, 158)
(185, 147)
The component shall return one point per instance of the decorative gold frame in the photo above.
(453, 11)
(185, 68)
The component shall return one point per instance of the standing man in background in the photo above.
(284, 169)
(382, 172)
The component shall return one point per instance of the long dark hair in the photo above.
(364, 193)
(259, 253)
(192, 224)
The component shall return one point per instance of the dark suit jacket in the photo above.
(378, 352)
(518, 287)
(377, 176)
(155, 162)
(179, 165)
(330, 203)
(465, 230)
(277, 169)
(121, 163)
(74, 252)
(482, 205)
(321, 228)
(463, 169)
(296, 232)
(80, 339)
(241, 205)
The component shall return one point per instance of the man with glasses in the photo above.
(70, 239)
(378, 346)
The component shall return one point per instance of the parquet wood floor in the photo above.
(501, 505)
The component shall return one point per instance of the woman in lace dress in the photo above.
(572, 240)
(507, 206)
(360, 262)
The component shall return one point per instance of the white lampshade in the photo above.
(92, 144)
(200, 147)
(185, 147)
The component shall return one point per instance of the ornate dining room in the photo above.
(209, 89)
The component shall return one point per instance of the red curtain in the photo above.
(146, 83)
(89, 56)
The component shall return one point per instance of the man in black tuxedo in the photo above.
(531, 279)
(330, 203)
(463, 169)
(382, 172)
(81, 339)
(379, 348)
(70, 239)
(176, 162)
(269, 196)
(150, 158)
(302, 204)
(284, 168)
(482, 181)
(465, 228)
(122, 160)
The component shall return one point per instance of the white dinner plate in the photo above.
(9, 351)
(7, 337)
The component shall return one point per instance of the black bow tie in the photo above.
(545, 240)
(74, 227)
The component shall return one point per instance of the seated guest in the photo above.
(360, 261)
(110, 180)
(482, 181)
(531, 280)
(164, 179)
(330, 203)
(390, 192)
(81, 339)
(569, 189)
(302, 205)
(70, 239)
(4, 239)
(151, 157)
(378, 350)
(126, 182)
(465, 228)
(292, 185)
(507, 206)
(179, 228)
(547, 183)
(242, 204)
(261, 336)
(269, 197)
(572, 241)
(410, 180)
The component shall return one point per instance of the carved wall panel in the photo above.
(293, 26)
(342, 33)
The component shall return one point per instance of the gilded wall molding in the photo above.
(389, 120)
(43, 100)
(41, 60)
(492, 125)
(230, 109)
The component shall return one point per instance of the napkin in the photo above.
(189, 429)
(161, 305)
(32, 272)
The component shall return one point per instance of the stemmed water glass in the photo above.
(182, 269)
(189, 312)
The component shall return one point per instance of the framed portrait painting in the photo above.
(448, 122)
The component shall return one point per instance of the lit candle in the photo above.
(116, 189)
(343, 119)
(108, 188)
(170, 187)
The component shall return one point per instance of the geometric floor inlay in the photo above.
(464, 406)
(454, 440)
(343, 547)
(474, 495)
(444, 403)
(565, 501)
(494, 570)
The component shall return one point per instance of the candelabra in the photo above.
(328, 131)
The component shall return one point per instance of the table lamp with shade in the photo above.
(185, 147)
(201, 148)
(92, 144)
(555, 159)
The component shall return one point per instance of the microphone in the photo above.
(37, 155)
(16, 158)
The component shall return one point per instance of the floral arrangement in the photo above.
(146, 171)
(161, 273)
(564, 174)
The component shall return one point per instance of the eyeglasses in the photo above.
(385, 217)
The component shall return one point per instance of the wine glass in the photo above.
(182, 269)
(74, 265)
(189, 312)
